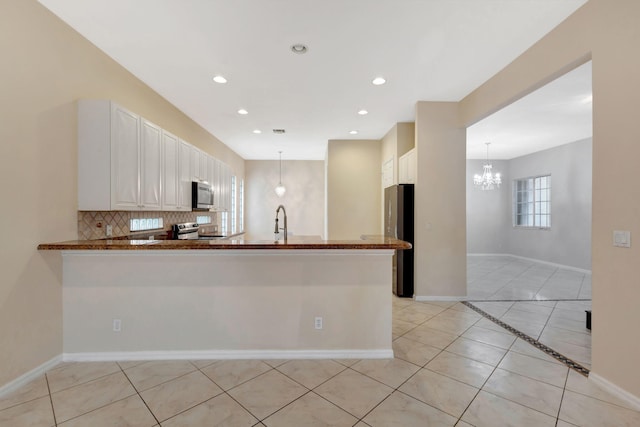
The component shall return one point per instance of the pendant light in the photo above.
(280, 189)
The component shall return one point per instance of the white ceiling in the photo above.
(556, 114)
(430, 50)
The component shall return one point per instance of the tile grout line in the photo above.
(420, 367)
(439, 373)
(53, 409)
(564, 389)
(551, 352)
(138, 393)
(226, 392)
(547, 322)
(489, 376)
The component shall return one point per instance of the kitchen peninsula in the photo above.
(170, 299)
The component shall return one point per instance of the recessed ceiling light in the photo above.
(219, 79)
(363, 112)
(353, 132)
(243, 111)
(299, 48)
(257, 131)
(379, 81)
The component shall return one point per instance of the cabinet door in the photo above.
(125, 159)
(198, 164)
(184, 174)
(150, 166)
(407, 168)
(387, 173)
(170, 177)
(195, 164)
(215, 182)
(211, 177)
(412, 165)
(402, 170)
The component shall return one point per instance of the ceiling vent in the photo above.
(279, 131)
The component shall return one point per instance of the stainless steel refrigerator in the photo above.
(398, 223)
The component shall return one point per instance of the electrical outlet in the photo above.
(109, 231)
(318, 322)
(117, 325)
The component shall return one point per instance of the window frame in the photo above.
(241, 206)
(538, 201)
(234, 204)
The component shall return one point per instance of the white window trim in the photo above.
(514, 202)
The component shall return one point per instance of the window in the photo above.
(241, 206)
(233, 205)
(223, 223)
(532, 202)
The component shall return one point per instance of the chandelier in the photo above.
(280, 189)
(488, 180)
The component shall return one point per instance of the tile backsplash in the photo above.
(92, 225)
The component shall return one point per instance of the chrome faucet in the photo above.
(277, 229)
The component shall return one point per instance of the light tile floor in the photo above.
(451, 368)
(507, 278)
(547, 303)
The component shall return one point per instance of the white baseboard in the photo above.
(29, 376)
(632, 400)
(441, 298)
(228, 354)
(553, 264)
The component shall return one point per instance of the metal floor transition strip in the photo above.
(534, 342)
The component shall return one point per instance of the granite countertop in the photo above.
(294, 242)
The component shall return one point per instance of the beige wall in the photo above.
(406, 137)
(607, 32)
(46, 68)
(353, 188)
(304, 199)
(440, 202)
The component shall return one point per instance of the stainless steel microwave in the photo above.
(201, 195)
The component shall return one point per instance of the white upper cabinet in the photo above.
(119, 158)
(125, 159)
(387, 173)
(184, 173)
(126, 162)
(150, 166)
(176, 184)
(407, 165)
(171, 176)
(212, 178)
(199, 165)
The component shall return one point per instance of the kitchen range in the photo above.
(194, 231)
